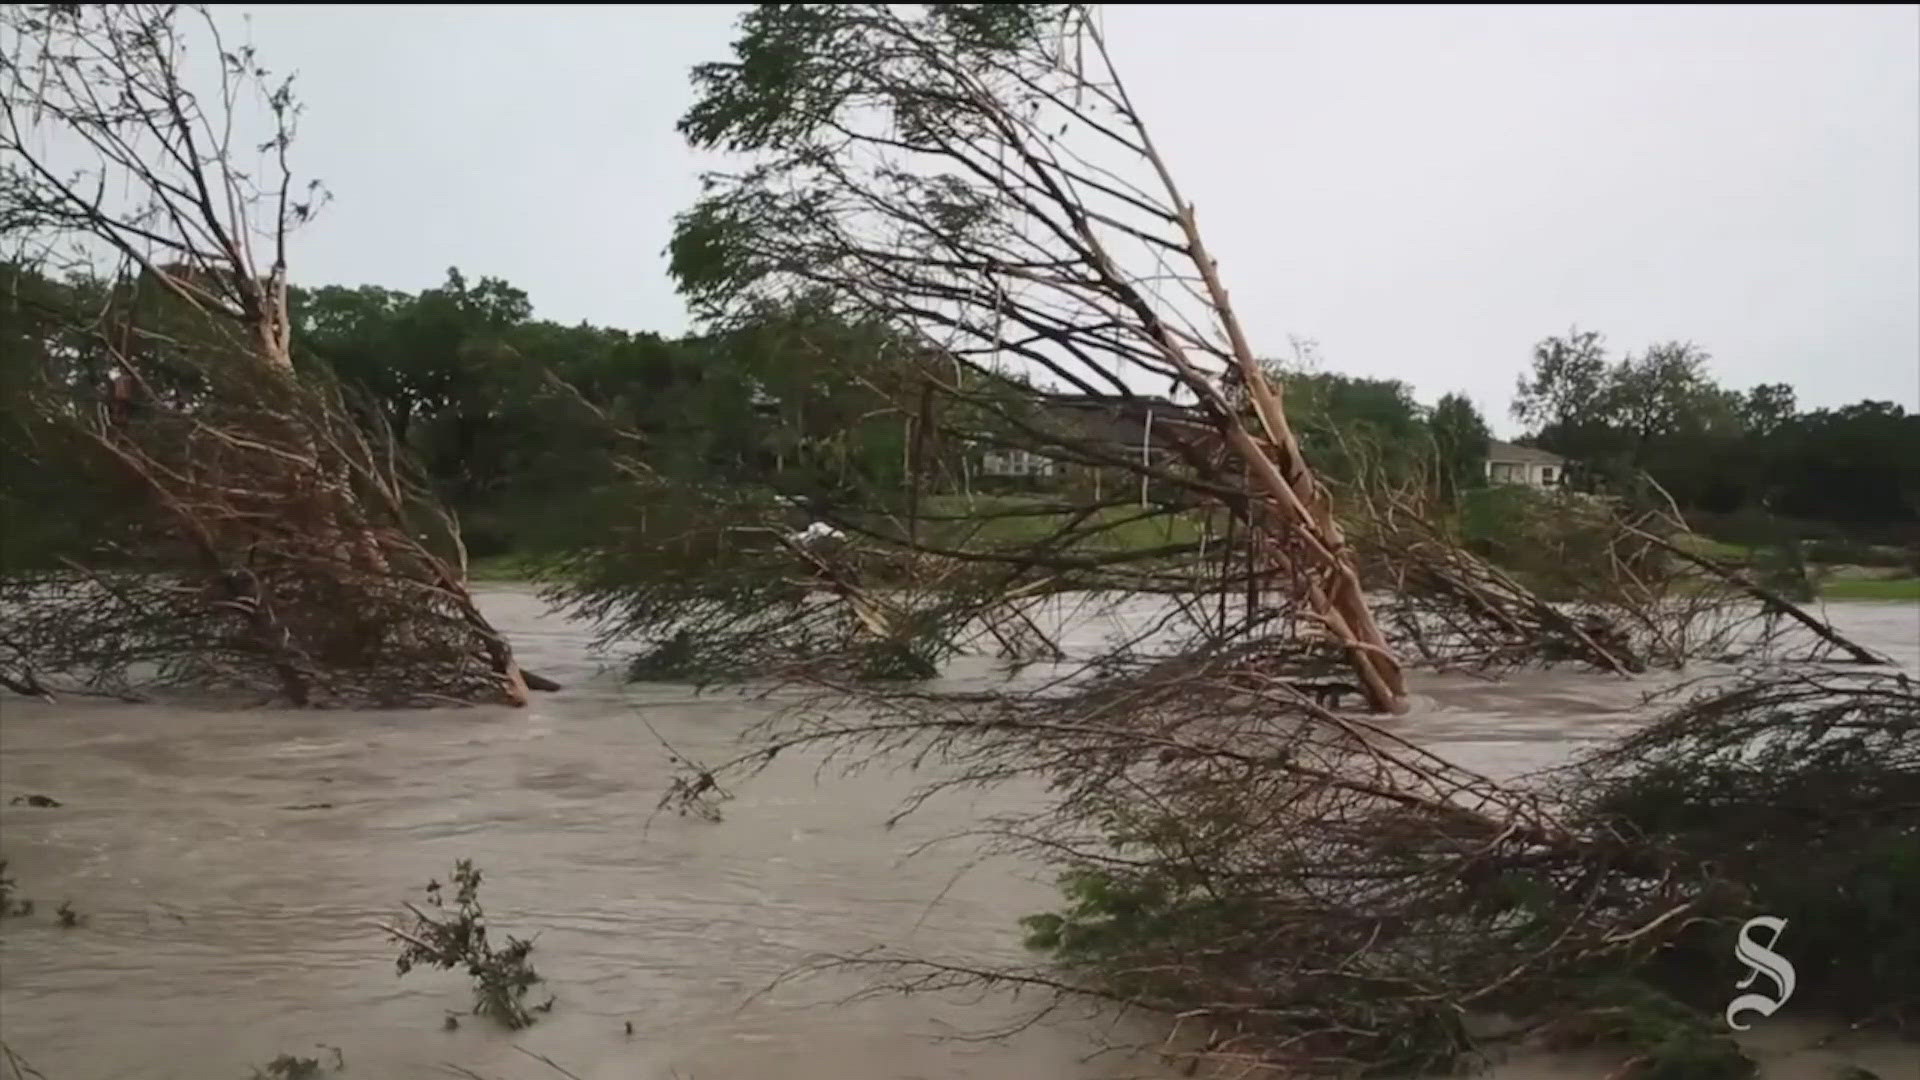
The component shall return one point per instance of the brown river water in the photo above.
(224, 926)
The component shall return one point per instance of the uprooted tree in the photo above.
(260, 528)
(951, 207)
(961, 173)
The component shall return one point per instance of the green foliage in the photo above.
(1106, 916)
(521, 422)
(1114, 916)
(1661, 412)
(1669, 1040)
(1551, 542)
(1348, 424)
(1460, 438)
(799, 67)
(57, 498)
(1148, 931)
(1791, 795)
(1800, 796)
(1895, 589)
(457, 938)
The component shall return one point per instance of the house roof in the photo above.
(1118, 419)
(1521, 455)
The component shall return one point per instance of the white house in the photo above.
(1015, 462)
(1510, 464)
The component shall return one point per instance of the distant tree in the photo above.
(1663, 393)
(1566, 402)
(1460, 439)
(1858, 465)
(1569, 381)
(1345, 422)
(1767, 408)
(1661, 413)
(1615, 419)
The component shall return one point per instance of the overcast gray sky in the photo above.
(1425, 191)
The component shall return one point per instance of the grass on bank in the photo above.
(1002, 520)
(978, 522)
(523, 569)
(1907, 588)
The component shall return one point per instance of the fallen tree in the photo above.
(934, 174)
(965, 201)
(1299, 892)
(267, 532)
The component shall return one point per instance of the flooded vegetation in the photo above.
(965, 654)
(236, 865)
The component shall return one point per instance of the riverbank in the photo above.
(1904, 588)
(521, 570)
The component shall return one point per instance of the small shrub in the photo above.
(672, 658)
(898, 660)
(69, 918)
(10, 905)
(289, 1067)
(1782, 567)
(458, 939)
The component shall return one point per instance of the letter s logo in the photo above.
(1760, 960)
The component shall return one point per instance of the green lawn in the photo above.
(1857, 589)
(1709, 548)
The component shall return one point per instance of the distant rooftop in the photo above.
(1521, 455)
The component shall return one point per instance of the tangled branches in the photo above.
(1599, 580)
(1796, 794)
(1320, 896)
(271, 540)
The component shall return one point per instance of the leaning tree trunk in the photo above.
(1006, 207)
(1300, 501)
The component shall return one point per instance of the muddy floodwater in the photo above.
(232, 866)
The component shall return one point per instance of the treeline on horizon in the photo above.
(516, 419)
